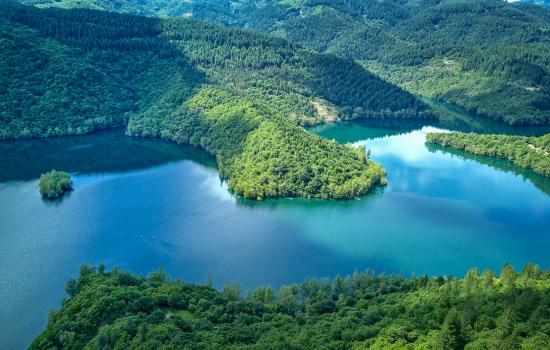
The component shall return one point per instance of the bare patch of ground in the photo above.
(327, 113)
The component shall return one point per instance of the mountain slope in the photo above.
(488, 56)
(71, 72)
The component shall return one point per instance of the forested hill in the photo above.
(118, 310)
(488, 56)
(238, 94)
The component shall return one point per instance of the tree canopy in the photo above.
(119, 310)
(54, 184)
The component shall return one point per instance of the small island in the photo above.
(54, 184)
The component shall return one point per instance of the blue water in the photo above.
(141, 204)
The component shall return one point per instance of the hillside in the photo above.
(118, 310)
(74, 71)
(488, 56)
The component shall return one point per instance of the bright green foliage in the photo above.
(270, 166)
(488, 56)
(54, 184)
(118, 310)
(528, 152)
(262, 157)
(71, 72)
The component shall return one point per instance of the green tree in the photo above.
(232, 291)
(120, 310)
(488, 280)
(54, 184)
(508, 276)
(471, 281)
(452, 335)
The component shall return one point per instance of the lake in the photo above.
(142, 204)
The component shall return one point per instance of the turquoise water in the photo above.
(141, 204)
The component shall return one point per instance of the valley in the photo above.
(370, 174)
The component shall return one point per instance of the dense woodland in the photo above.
(75, 71)
(119, 310)
(473, 53)
(528, 152)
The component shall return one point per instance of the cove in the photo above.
(141, 204)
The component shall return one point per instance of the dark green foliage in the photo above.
(488, 56)
(54, 184)
(117, 310)
(452, 335)
(74, 72)
(528, 152)
(62, 75)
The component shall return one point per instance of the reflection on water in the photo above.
(541, 182)
(456, 118)
(106, 151)
(356, 130)
(450, 118)
(140, 204)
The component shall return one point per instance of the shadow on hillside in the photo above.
(139, 56)
(359, 93)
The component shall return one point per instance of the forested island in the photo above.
(527, 152)
(54, 184)
(422, 46)
(119, 310)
